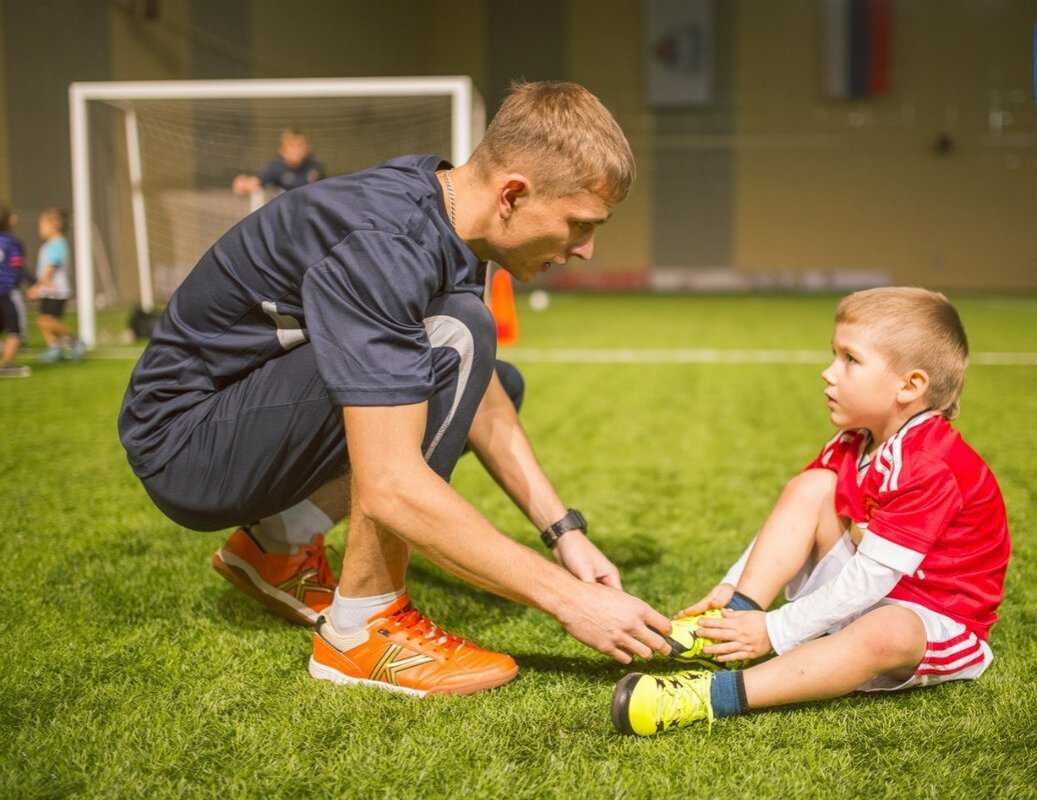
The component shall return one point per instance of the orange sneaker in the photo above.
(297, 587)
(401, 650)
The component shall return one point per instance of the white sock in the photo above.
(295, 526)
(351, 613)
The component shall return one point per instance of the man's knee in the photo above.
(512, 381)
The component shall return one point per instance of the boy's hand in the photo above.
(740, 635)
(718, 597)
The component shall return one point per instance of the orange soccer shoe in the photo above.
(297, 587)
(401, 650)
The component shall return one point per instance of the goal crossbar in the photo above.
(467, 123)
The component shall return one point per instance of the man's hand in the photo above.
(578, 554)
(718, 597)
(614, 623)
(739, 635)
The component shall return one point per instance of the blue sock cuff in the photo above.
(739, 602)
(727, 693)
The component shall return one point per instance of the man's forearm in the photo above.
(436, 520)
(501, 444)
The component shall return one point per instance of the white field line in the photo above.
(707, 356)
(659, 356)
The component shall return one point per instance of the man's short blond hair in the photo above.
(915, 329)
(562, 137)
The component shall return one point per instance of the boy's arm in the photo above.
(861, 583)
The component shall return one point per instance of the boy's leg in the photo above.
(11, 344)
(801, 528)
(889, 640)
(46, 326)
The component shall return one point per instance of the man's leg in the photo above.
(463, 341)
(371, 634)
(801, 528)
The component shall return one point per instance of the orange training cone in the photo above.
(502, 305)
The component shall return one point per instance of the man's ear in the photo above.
(514, 189)
(915, 385)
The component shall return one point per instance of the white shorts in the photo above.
(952, 652)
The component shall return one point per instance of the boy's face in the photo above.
(860, 385)
(45, 226)
(294, 150)
(543, 231)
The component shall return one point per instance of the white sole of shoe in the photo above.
(244, 576)
(322, 672)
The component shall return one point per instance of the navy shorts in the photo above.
(275, 437)
(10, 320)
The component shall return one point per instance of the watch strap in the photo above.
(573, 520)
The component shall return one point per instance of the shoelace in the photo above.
(681, 697)
(316, 558)
(411, 620)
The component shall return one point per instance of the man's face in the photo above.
(860, 385)
(542, 231)
(294, 150)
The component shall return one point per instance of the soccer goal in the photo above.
(153, 163)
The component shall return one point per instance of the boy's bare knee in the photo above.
(894, 636)
(816, 484)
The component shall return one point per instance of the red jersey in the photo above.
(936, 513)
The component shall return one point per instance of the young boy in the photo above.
(294, 166)
(53, 288)
(12, 267)
(893, 541)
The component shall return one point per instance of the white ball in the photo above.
(539, 300)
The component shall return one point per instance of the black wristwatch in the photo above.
(573, 520)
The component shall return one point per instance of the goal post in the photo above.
(166, 149)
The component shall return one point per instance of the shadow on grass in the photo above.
(588, 667)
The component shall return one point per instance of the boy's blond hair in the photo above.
(562, 137)
(915, 329)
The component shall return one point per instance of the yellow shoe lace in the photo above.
(683, 698)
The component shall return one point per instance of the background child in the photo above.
(893, 541)
(12, 266)
(53, 288)
(294, 166)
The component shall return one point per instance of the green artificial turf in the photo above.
(128, 668)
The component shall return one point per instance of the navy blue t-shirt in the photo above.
(278, 173)
(12, 263)
(350, 264)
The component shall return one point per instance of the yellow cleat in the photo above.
(686, 645)
(645, 705)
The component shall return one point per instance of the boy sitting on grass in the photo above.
(891, 545)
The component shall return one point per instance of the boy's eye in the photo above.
(851, 359)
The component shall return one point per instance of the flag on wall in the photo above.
(679, 52)
(856, 47)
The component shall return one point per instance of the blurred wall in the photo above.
(824, 184)
(769, 177)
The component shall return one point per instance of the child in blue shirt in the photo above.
(53, 288)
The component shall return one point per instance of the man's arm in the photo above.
(396, 489)
(501, 444)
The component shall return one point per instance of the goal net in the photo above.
(153, 163)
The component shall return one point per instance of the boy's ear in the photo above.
(915, 385)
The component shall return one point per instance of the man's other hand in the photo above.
(582, 558)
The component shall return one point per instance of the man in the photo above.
(355, 303)
(294, 166)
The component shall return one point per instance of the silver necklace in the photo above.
(450, 198)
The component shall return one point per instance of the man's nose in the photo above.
(584, 251)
